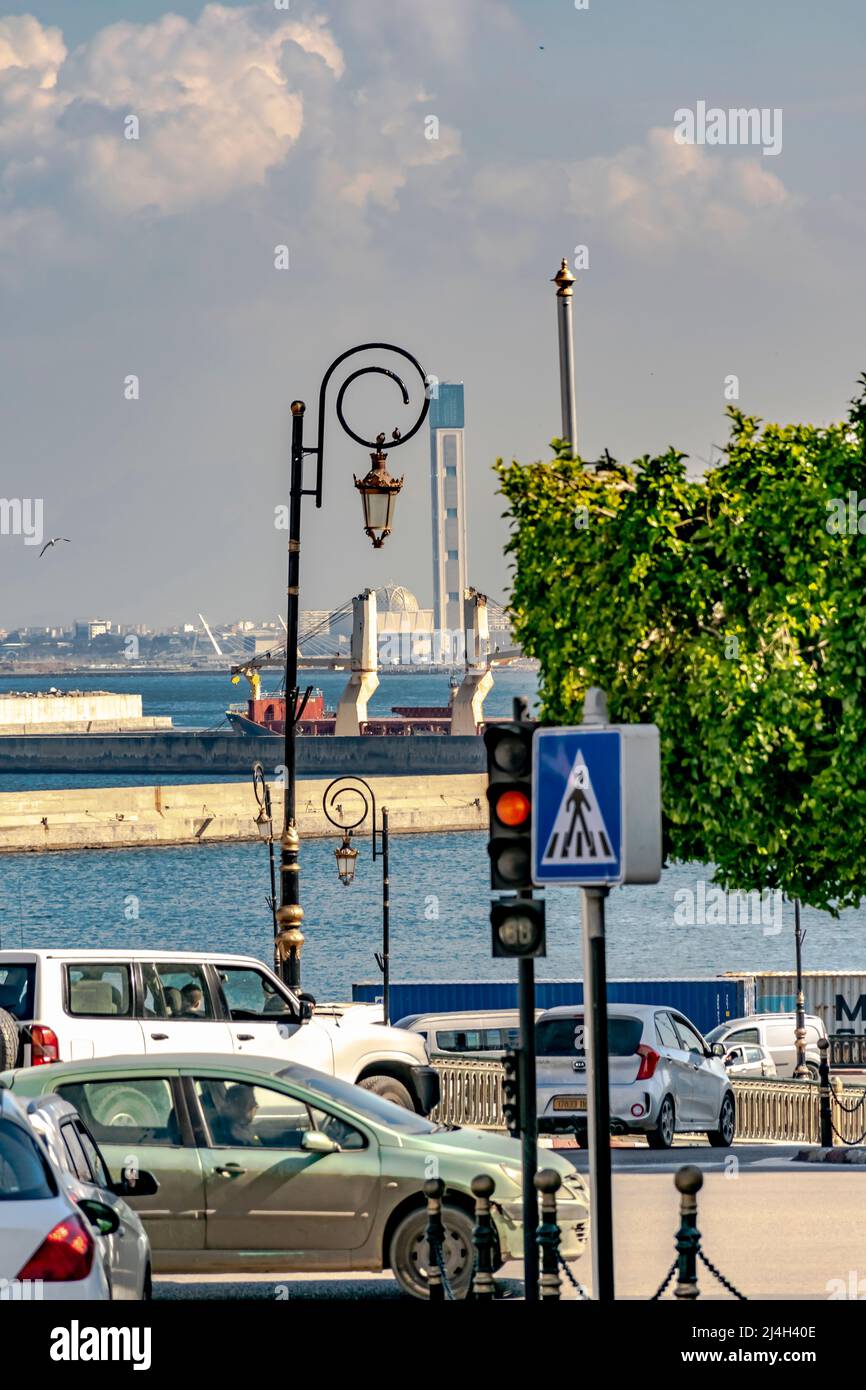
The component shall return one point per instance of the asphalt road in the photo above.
(776, 1229)
(767, 1157)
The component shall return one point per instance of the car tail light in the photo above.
(649, 1060)
(65, 1255)
(44, 1045)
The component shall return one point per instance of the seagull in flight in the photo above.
(53, 541)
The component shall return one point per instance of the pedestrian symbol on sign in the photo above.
(579, 833)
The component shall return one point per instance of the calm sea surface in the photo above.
(213, 896)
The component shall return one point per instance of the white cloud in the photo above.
(654, 196)
(218, 105)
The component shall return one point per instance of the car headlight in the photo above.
(513, 1174)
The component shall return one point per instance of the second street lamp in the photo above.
(378, 494)
(332, 804)
(346, 857)
(265, 826)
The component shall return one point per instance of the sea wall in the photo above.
(191, 751)
(124, 817)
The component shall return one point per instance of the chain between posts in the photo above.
(688, 1181)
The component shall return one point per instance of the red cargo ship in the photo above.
(266, 714)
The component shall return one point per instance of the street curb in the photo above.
(852, 1157)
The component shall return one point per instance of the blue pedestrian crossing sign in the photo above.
(596, 806)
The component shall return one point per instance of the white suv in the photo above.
(66, 1005)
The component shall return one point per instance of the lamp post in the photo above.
(265, 827)
(378, 491)
(347, 858)
(800, 1068)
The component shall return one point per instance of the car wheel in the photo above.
(662, 1136)
(410, 1254)
(723, 1137)
(389, 1089)
(814, 1073)
(8, 1041)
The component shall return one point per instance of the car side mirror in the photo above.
(306, 1007)
(315, 1142)
(144, 1184)
(718, 1050)
(100, 1215)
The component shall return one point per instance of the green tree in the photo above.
(730, 611)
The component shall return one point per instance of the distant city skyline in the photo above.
(203, 205)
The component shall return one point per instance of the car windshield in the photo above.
(17, 988)
(364, 1103)
(563, 1036)
(717, 1033)
(24, 1173)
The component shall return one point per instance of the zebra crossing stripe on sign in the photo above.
(579, 834)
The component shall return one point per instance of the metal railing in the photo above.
(778, 1109)
(471, 1094)
(847, 1050)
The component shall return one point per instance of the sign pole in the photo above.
(529, 1138)
(528, 1098)
(598, 1094)
(596, 822)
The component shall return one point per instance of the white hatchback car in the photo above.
(747, 1060)
(48, 1249)
(123, 1241)
(664, 1077)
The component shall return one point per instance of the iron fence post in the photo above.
(433, 1190)
(483, 1238)
(688, 1181)
(825, 1100)
(548, 1183)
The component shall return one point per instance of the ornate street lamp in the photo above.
(332, 805)
(378, 495)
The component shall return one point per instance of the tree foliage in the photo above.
(730, 611)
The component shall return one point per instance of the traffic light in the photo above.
(511, 1091)
(509, 792)
(518, 927)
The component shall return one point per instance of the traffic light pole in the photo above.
(598, 1093)
(529, 1122)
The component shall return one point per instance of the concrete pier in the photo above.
(124, 817)
(74, 712)
(193, 750)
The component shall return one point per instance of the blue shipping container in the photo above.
(705, 1001)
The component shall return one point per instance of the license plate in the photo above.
(569, 1102)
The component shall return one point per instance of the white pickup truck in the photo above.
(59, 1005)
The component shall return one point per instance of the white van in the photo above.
(483, 1034)
(58, 1006)
(775, 1032)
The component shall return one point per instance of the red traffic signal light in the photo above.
(509, 794)
(512, 808)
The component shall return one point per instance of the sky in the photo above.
(263, 125)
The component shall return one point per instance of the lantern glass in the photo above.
(264, 825)
(378, 509)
